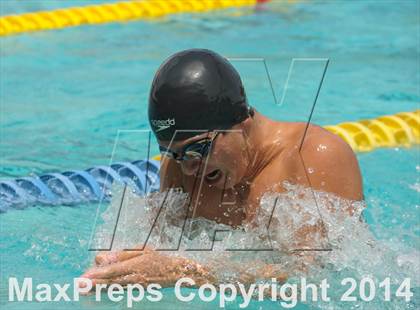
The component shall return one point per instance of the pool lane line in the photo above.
(110, 12)
(401, 129)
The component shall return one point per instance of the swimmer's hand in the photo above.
(146, 268)
(111, 257)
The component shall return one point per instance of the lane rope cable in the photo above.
(122, 11)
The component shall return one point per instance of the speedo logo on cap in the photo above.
(162, 124)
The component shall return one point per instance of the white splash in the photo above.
(354, 252)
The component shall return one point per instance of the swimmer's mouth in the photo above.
(214, 176)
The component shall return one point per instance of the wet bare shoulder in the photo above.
(331, 164)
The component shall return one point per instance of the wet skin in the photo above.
(257, 158)
(227, 186)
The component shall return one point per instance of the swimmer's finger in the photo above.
(124, 280)
(107, 258)
(122, 268)
(164, 281)
(104, 272)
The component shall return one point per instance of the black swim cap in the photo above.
(196, 89)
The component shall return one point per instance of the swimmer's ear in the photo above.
(251, 111)
(245, 125)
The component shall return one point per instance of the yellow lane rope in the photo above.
(110, 12)
(401, 129)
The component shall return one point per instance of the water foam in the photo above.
(350, 248)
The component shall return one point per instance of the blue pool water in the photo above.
(65, 94)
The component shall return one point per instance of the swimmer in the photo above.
(226, 155)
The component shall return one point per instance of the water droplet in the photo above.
(311, 170)
(321, 147)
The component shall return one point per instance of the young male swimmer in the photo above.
(225, 155)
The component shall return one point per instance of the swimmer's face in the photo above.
(223, 165)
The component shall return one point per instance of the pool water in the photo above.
(65, 94)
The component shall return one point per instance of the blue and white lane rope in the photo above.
(78, 186)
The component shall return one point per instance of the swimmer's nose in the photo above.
(190, 167)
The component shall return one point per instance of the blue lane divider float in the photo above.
(79, 186)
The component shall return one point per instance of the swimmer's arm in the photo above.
(334, 169)
(170, 177)
(151, 267)
(160, 268)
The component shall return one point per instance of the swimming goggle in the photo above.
(194, 150)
